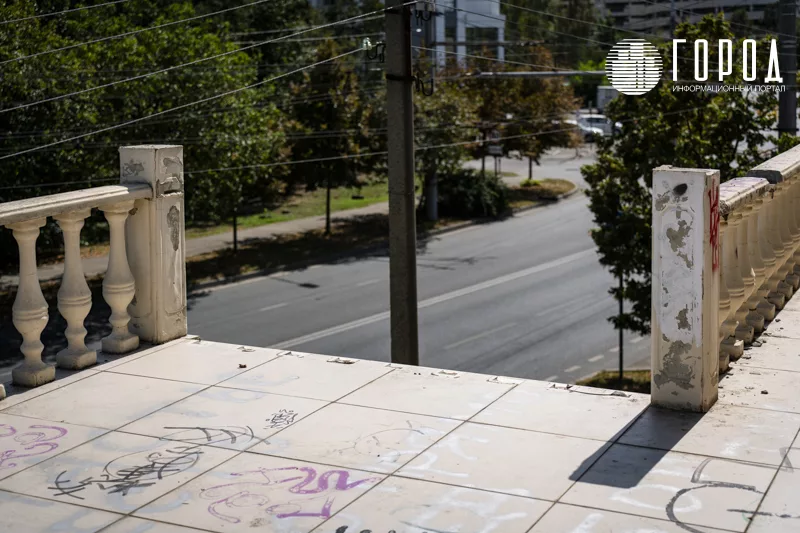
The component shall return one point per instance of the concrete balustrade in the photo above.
(725, 258)
(145, 283)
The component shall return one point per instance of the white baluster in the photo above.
(733, 278)
(118, 285)
(768, 255)
(787, 238)
(745, 331)
(793, 204)
(74, 296)
(777, 241)
(763, 310)
(730, 347)
(29, 312)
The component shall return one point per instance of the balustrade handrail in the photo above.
(726, 258)
(144, 283)
(53, 205)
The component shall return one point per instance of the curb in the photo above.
(334, 257)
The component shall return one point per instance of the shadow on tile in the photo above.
(667, 440)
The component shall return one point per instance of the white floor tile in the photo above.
(577, 411)
(412, 506)
(116, 472)
(358, 437)
(260, 493)
(512, 461)
(228, 418)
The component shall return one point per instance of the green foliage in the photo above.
(449, 116)
(243, 129)
(685, 129)
(569, 31)
(585, 87)
(468, 194)
(528, 113)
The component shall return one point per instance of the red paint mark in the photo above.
(713, 202)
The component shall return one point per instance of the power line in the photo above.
(583, 21)
(134, 32)
(42, 185)
(732, 23)
(62, 12)
(422, 148)
(183, 106)
(486, 58)
(174, 67)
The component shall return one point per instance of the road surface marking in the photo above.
(479, 335)
(637, 339)
(551, 378)
(368, 282)
(614, 349)
(560, 306)
(572, 369)
(596, 358)
(291, 343)
(271, 307)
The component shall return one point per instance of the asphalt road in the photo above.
(524, 297)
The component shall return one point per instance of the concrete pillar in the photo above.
(156, 242)
(685, 284)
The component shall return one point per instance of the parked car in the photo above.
(600, 122)
(589, 133)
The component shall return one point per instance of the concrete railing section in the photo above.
(145, 282)
(725, 258)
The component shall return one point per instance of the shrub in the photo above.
(468, 194)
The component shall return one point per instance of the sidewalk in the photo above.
(94, 266)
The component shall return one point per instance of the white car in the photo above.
(600, 122)
(589, 133)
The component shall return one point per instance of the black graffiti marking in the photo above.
(212, 435)
(343, 529)
(159, 465)
(69, 490)
(764, 513)
(696, 475)
(282, 419)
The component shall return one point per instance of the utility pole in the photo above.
(672, 19)
(621, 310)
(787, 100)
(402, 221)
(432, 179)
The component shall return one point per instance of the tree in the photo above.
(529, 112)
(330, 120)
(242, 129)
(448, 116)
(723, 130)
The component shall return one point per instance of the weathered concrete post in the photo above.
(156, 242)
(685, 284)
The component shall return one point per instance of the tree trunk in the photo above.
(328, 206)
(530, 168)
(235, 233)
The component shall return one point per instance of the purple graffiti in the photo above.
(35, 442)
(251, 493)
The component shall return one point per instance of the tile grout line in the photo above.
(434, 443)
(109, 431)
(95, 368)
(625, 513)
(589, 467)
(237, 453)
(771, 482)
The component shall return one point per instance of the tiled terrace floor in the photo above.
(184, 437)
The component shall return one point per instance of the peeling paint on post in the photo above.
(685, 288)
(156, 242)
